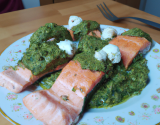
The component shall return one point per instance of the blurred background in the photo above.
(149, 6)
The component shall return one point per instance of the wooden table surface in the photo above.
(15, 25)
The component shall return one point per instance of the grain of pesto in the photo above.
(73, 89)
(64, 97)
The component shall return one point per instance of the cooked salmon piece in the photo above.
(48, 107)
(61, 105)
(17, 80)
(129, 47)
(95, 33)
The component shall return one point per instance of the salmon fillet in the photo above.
(17, 80)
(61, 105)
(129, 47)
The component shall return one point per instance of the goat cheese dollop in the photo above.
(68, 46)
(111, 52)
(100, 55)
(73, 21)
(109, 32)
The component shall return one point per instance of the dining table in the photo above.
(17, 24)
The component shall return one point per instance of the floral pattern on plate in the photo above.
(145, 116)
(17, 107)
(155, 97)
(145, 105)
(120, 119)
(155, 57)
(28, 116)
(158, 90)
(158, 66)
(131, 113)
(156, 50)
(11, 96)
(99, 120)
(156, 109)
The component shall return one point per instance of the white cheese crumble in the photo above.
(73, 21)
(100, 55)
(68, 46)
(113, 53)
(109, 32)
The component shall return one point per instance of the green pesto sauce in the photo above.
(84, 27)
(88, 61)
(91, 44)
(44, 56)
(50, 30)
(122, 84)
(47, 82)
(137, 32)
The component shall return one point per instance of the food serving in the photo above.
(82, 78)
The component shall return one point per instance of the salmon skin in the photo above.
(17, 80)
(62, 104)
(130, 46)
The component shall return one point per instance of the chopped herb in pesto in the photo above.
(47, 82)
(85, 26)
(91, 44)
(73, 89)
(42, 57)
(88, 61)
(50, 30)
(137, 32)
(65, 98)
(122, 85)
